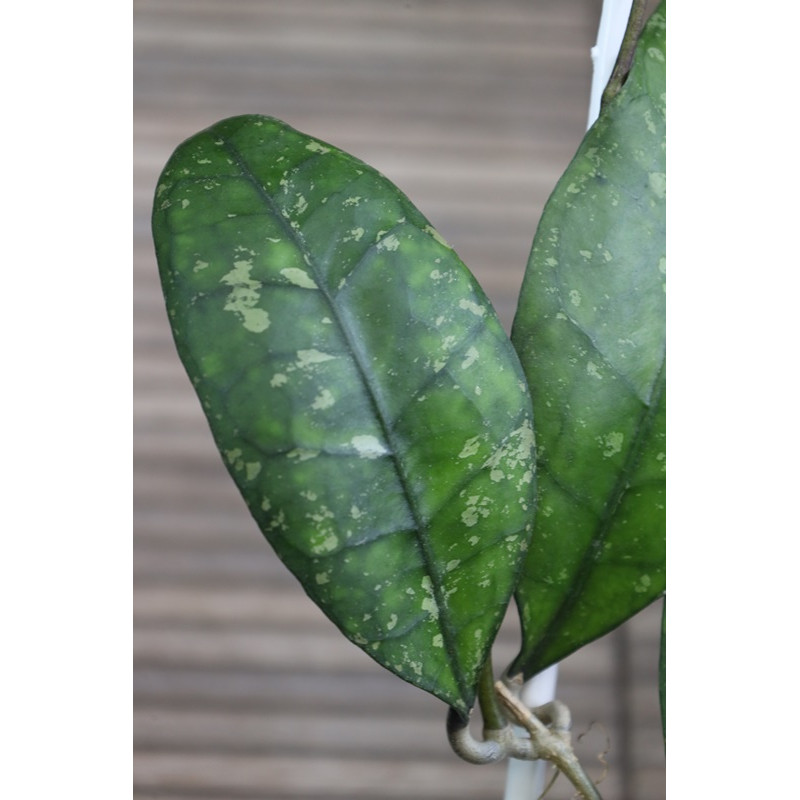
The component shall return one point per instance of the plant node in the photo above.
(548, 727)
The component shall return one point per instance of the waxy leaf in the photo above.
(662, 672)
(590, 332)
(360, 388)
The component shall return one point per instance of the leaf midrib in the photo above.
(604, 523)
(421, 527)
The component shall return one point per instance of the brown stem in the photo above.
(626, 51)
(551, 744)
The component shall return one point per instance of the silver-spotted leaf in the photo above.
(360, 388)
(590, 331)
(662, 672)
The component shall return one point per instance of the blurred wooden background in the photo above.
(242, 689)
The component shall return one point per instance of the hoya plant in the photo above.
(412, 465)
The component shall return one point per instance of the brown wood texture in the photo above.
(242, 689)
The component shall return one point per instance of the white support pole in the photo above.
(613, 21)
(525, 780)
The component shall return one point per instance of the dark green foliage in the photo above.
(360, 388)
(590, 332)
(377, 419)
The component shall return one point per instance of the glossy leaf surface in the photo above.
(590, 331)
(360, 388)
(662, 672)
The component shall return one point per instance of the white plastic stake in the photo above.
(613, 21)
(525, 780)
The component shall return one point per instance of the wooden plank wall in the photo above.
(242, 689)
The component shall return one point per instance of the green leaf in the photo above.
(360, 388)
(662, 671)
(590, 332)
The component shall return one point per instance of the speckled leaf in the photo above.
(364, 396)
(662, 672)
(590, 331)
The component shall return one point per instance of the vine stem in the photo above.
(553, 742)
(610, 34)
(493, 718)
(624, 60)
(525, 780)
